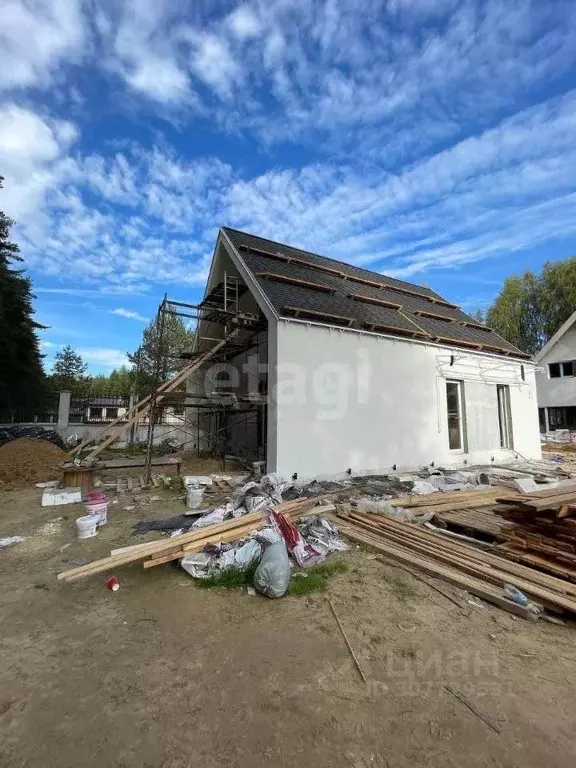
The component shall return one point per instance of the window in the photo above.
(95, 413)
(504, 416)
(111, 413)
(562, 369)
(454, 402)
(562, 418)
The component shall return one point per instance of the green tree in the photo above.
(69, 372)
(167, 347)
(530, 308)
(22, 380)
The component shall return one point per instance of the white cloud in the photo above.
(142, 48)
(212, 62)
(35, 38)
(244, 22)
(30, 145)
(153, 217)
(129, 314)
(102, 357)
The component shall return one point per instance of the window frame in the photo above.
(504, 417)
(559, 366)
(461, 414)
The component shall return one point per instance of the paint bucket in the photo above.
(194, 497)
(97, 505)
(86, 526)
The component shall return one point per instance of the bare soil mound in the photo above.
(24, 462)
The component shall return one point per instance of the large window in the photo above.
(562, 369)
(562, 418)
(454, 402)
(504, 416)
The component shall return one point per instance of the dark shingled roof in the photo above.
(311, 287)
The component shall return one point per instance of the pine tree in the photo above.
(22, 381)
(69, 371)
(176, 338)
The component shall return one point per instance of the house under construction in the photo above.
(317, 367)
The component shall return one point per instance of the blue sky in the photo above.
(433, 140)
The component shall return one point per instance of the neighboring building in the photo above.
(556, 379)
(102, 408)
(340, 369)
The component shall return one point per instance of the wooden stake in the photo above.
(356, 662)
(485, 719)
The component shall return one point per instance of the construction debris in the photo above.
(481, 573)
(177, 547)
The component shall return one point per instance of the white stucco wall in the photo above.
(343, 399)
(561, 391)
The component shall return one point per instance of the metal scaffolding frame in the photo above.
(217, 413)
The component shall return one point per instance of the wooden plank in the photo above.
(470, 584)
(477, 570)
(296, 281)
(198, 546)
(143, 406)
(161, 461)
(118, 486)
(372, 300)
(488, 494)
(130, 483)
(160, 547)
(460, 548)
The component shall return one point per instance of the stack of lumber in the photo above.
(164, 551)
(543, 534)
(481, 573)
(445, 501)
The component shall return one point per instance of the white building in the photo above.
(338, 369)
(556, 379)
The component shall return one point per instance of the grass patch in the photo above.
(230, 578)
(315, 579)
(402, 590)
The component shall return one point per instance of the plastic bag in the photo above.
(273, 573)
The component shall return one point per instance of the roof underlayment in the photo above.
(304, 285)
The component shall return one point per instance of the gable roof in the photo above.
(307, 286)
(557, 336)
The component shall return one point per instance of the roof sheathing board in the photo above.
(288, 262)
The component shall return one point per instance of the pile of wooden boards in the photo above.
(443, 501)
(157, 552)
(543, 534)
(480, 573)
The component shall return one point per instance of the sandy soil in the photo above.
(162, 674)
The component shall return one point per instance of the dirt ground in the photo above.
(162, 674)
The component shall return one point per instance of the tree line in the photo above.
(156, 360)
(531, 307)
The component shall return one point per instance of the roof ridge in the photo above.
(336, 261)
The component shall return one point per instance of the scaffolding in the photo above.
(208, 418)
(216, 412)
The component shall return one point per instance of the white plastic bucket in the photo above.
(194, 497)
(99, 510)
(86, 526)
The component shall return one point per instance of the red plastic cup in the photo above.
(113, 584)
